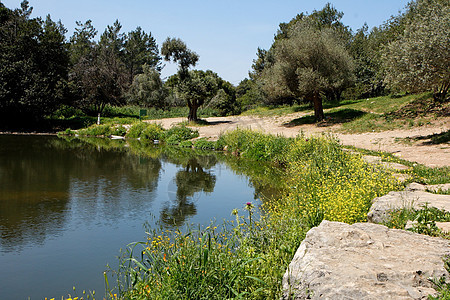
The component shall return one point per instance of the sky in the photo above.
(225, 34)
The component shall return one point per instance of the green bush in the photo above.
(153, 132)
(96, 130)
(136, 130)
(204, 144)
(120, 131)
(185, 144)
(177, 134)
(255, 145)
(173, 140)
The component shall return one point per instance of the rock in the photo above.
(364, 261)
(431, 188)
(389, 165)
(444, 226)
(381, 206)
(410, 224)
(395, 166)
(414, 186)
(401, 177)
(372, 159)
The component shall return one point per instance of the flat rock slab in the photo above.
(410, 198)
(430, 188)
(390, 165)
(364, 261)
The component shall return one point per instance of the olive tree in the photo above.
(308, 64)
(147, 89)
(194, 87)
(420, 59)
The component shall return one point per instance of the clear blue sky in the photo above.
(225, 34)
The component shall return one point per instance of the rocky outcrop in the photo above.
(414, 196)
(364, 261)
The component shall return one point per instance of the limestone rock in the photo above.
(444, 226)
(410, 198)
(431, 188)
(364, 261)
(390, 165)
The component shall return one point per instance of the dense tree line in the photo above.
(314, 57)
(41, 70)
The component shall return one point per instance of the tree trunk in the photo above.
(193, 113)
(318, 108)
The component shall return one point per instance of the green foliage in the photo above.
(153, 132)
(441, 284)
(424, 219)
(255, 145)
(147, 131)
(147, 89)
(249, 94)
(407, 60)
(96, 130)
(427, 175)
(120, 131)
(186, 144)
(33, 66)
(175, 50)
(182, 133)
(204, 144)
(307, 64)
(140, 49)
(328, 183)
(100, 77)
(136, 130)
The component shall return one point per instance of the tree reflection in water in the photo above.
(189, 180)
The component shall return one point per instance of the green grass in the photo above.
(363, 115)
(384, 104)
(272, 111)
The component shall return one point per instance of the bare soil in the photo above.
(409, 144)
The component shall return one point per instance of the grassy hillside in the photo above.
(367, 115)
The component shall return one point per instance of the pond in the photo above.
(67, 207)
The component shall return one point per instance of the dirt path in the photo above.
(408, 144)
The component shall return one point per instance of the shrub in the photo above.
(120, 131)
(185, 144)
(255, 145)
(204, 144)
(153, 132)
(96, 130)
(136, 130)
(182, 133)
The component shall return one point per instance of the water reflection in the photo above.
(189, 180)
(49, 178)
(42, 182)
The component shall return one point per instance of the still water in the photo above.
(68, 207)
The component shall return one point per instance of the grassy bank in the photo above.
(247, 257)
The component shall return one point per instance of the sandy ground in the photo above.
(389, 141)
